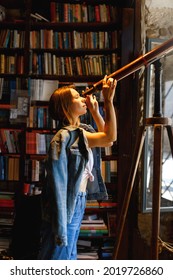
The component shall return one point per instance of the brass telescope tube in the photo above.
(143, 60)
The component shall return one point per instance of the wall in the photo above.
(159, 18)
(159, 3)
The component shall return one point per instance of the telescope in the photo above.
(143, 60)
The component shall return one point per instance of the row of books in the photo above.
(31, 189)
(10, 141)
(11, 64)
(6, 219)
(81, 12)
(37, 89)
(40, 89)
(12, 38)
(9, 168)
(50, 39)
(39, 118)
(34, 170)
(6, 86)
(37, 143)
(51, 64)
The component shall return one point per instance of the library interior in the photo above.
(52, 44)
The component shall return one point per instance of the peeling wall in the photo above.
(159, 18)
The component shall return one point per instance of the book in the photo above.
(6, 203)
(83, 231)
(53, 11)
(40, 143)
(31, 143)
(3, 142)
(85, 243)
(112, 223)
(98, 222)
(92, 204)
(2, 175)
(90, 234)
(16, 169)
(42, 89)
(8, 141)
(93, 226)
(107, 204)
(87, 256)
(1, 86)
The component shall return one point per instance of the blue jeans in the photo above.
(49, 250)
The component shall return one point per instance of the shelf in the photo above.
(69, 79)
(31, 56)
(76, 52)
(14, 24)
(78, 26)
(9, 126)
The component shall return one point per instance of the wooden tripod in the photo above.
(158, 124)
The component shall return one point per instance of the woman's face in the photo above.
(78, 106)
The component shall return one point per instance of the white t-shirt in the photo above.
(87, 174)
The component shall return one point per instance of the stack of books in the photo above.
(93, 227)
(87, 251)
(6, 218)
(106, 250)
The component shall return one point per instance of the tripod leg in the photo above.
(157, 165)
(126, 201)
(170, 136)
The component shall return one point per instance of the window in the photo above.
(166, 93)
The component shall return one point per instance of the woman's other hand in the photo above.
(108, 88)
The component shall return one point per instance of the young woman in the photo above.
(73, 171)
